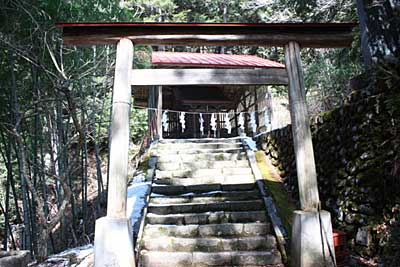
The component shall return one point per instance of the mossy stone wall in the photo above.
(357, 157)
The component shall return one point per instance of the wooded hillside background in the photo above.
(55, 102)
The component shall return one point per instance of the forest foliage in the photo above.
(55, 102)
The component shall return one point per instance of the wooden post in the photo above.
(149, 113)
(113, 244)
(305, 164)
(152, 114)
(159, 113)
(312, 240)
(218, 126)
(256, 109)
(195, 126)
(236, 120)
(245, 115)
(269, 109)
(116, 206)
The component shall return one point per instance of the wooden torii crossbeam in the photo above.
(312, 243)
(315, 35)
(143, 77)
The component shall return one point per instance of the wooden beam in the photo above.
(305, 163)
(143, 77)
(323, 35)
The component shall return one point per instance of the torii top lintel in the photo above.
(320, 35)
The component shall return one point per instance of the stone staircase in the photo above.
(205, 209)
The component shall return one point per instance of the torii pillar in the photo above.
(312, 240)
(113, 235)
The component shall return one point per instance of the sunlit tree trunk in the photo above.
(379, 29)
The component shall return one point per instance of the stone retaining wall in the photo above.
(357, 158)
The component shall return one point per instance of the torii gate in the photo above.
(113, 239)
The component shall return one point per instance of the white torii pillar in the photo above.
(113, 234)
(312, 241)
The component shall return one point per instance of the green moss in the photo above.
(328, 114)
(162, 230)
(285, 207)
(220, 157)
(141, 243)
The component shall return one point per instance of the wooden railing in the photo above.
(192, 129)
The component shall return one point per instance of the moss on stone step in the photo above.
(284, 205)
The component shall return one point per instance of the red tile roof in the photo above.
(212, 60)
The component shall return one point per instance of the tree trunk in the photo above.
(380, 29)
(96, 147)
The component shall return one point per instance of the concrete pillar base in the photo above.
(310, 239)
(113, 245)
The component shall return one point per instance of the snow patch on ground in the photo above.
(138, 190)
(75, 257)
(190, 194)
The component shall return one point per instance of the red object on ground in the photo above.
(339, 242)
(212, 60)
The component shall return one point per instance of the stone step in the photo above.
(200, 140)
(197, 173)
(250, 205)
(210, 244)
(251, 194)
(204, 164)
(165, 153)
(208, 230)
(270, 258)
(200, 188)
(222, 180)
(190, 158)
(205, 209)
(210, 145)
(202, 199)
(217, 217)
